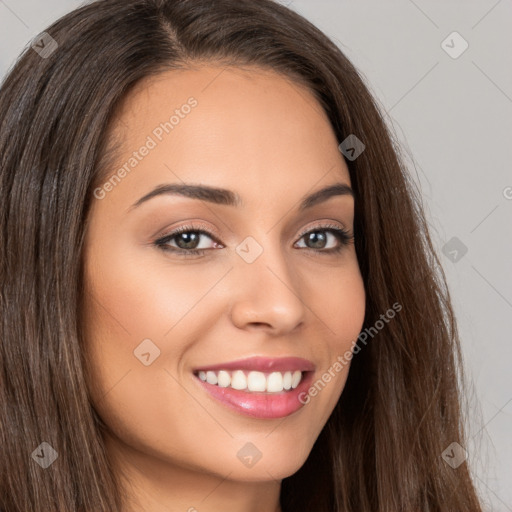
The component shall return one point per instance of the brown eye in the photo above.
(186, 240)
(317, 239)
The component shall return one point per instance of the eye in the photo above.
(187, 240)
(339, 236)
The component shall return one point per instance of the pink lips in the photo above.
(264, 364)
(262, 404)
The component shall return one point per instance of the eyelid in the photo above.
(192, 226)
(326, 226)
(208, 230)
(344, 236)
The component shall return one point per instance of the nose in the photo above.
(266, 294)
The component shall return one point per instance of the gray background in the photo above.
(453, 117)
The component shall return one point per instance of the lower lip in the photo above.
(259, 404)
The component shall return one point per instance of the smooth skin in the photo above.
(266, 138)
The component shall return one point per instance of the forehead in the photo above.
(215, 125)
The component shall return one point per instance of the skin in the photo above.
(266, 138)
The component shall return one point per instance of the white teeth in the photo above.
(256, 381)
(287, 380)
(274, 382)
(238, 380)
(211, 377)
(296, 379)
(224, 379)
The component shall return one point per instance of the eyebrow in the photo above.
(227, 197)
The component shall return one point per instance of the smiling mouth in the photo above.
(253, 381)
(259, 386)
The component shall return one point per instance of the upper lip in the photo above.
(263, 364)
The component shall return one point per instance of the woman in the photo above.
(218, 286)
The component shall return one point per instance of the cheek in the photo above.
(145, 295)
(349, 311)
(135, 304)
(139, 298)
(348, 321)
(340, 302)
(341, 311)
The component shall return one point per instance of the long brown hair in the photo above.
(381, 449)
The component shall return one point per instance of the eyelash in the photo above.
(343, 236)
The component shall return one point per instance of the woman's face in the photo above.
(272, 279)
